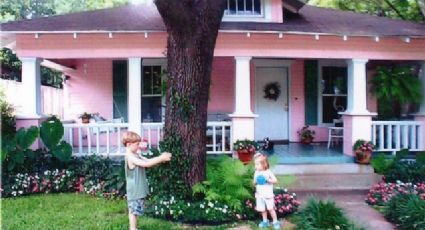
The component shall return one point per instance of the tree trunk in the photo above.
(192, 27)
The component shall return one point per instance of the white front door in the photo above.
(272, 121)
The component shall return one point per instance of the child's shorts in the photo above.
(136, 207)
(264, 204)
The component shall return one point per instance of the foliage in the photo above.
(393, 87)
(8, 122)
(306, 133)
(383, 164)
(407, 211)
(167, 179)
(406, 171)
(228, 181)
(73, 211)
(202, 211)
(362, 145)
(15, 150)
(322, 215)
(382, 192)
(182, 106)
(51, 133)
(285, 203)
(245, 144)
(400, 9)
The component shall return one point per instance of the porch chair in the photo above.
(336, 133)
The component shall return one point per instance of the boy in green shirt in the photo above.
(137, 186)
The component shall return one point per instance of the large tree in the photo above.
(192, 27)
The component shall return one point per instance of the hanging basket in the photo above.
(245, 155)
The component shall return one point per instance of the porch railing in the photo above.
(395, 135)
(105, 138)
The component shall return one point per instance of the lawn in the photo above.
(74, 211)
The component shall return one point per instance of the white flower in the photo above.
(224, 210)
(14, 193)
(20, 192)
(171, 212)
(201, 206)
(206, 211)
(188, 204)
(337, 227)
(210, 204)
(156, 213)
(156, 208)
(285, 190)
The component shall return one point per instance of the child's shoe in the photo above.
(276, 225)
(263, 224)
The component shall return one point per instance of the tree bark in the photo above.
(192, 27)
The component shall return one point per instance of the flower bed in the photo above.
(381, 193)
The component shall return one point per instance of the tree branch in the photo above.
(395, 9)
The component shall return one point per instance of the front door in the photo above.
(271, 106)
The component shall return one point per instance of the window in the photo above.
(151, 94)
(333, 93)
(244, 7)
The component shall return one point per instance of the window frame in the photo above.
(321, 64)
(154, 62)
(266, 11)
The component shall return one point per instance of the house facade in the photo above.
(317, 63)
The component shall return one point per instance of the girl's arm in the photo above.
(147, 163)
(272, 178)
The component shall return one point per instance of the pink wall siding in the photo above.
(296, 101)
(90, 88)
(228, 44)
(222, 89)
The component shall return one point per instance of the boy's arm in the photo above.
(147, 163)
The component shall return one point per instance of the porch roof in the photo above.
(137, 18)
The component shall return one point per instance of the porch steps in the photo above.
(327, 178)
(340, 159)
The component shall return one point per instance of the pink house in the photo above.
(320, 59)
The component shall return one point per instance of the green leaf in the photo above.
(26, 137)
(51, 132)
(63, 151)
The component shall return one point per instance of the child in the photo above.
(264, 180)
(137, 186)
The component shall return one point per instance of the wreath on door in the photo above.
(272, 91)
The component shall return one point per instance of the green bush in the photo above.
(322, 215)
(8, 122)
(166, 179)
(407, 211)
(228, 181)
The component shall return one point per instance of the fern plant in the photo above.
(228, 181)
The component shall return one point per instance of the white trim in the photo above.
(321, 64)
(357, 87)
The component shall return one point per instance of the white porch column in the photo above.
(31, 84)
(135, 95)
(357, 119)
(242, 117)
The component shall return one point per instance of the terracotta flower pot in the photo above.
(85, 120)
(307, 141)
(363, 157)
(245, 155)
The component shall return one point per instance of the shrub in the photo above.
(228, 181)
(322, 215)
(382, 192)
(203, 211)
(166, 179)
(407, 211)
(8, 122)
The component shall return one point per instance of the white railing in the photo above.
(395, 135)
(105, 138)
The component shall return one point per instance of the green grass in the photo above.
(75, 211)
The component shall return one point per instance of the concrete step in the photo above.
(312, 169)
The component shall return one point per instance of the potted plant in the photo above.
(363, 150)
(85, 117)
(245, 149)
(306, 135)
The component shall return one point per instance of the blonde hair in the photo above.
(262, 159)
(130, 137)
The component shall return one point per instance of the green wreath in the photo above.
(272, 91)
